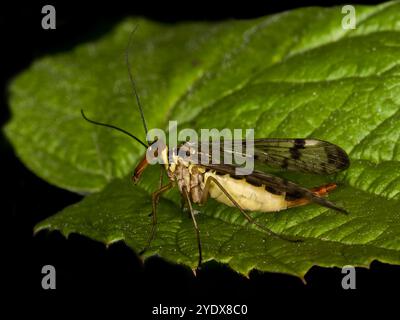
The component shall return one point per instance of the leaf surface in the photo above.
(294, 74)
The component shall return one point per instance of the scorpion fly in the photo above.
(257, 191)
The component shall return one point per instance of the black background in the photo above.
(86, 269)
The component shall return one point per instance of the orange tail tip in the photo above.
(319, 191)
(325, 189)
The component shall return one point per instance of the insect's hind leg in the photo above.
(247, 216)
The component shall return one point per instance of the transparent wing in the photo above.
(304, 155)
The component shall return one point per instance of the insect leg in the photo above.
(161, 177)
(248, 218)
(196, 227)
(159, 185)
(155, 198)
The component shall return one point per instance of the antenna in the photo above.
(113, 127)
(133, 81)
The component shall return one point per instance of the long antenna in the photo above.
(113, 127)
(133, 81)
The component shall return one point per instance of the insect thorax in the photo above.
(188, 176)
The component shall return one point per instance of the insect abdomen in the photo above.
(248, 196)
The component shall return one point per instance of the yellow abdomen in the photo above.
(249, 197)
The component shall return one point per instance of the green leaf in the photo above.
(294, 74)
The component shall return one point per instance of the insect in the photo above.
(257, 191)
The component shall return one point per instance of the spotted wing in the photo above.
(304, 155)
(274, 184)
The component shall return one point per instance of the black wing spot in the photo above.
(299, 143)
(344, 159)
(338, 158)
(332, 160)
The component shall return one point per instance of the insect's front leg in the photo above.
(154, 202)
